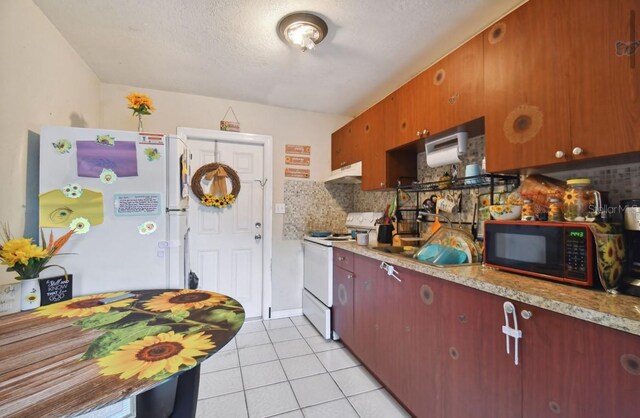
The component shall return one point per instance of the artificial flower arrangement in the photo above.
(223, 201)
(141, 105)
(26, 258)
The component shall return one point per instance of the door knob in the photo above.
(526, 314)
(258, 225)
(258, 237)
(577, 151)
(559, 154)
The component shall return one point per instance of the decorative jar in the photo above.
(581, 202)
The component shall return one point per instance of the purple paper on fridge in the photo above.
(120, 157)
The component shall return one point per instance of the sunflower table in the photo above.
(78, 355)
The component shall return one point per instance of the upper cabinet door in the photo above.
(604, 68)
(345, 145)
(457, 86)
(526, 87)
(408, 112)
(374, 165)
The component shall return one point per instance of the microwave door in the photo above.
(526, 248)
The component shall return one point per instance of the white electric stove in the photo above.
(317, 296)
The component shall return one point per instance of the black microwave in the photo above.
(560, 251)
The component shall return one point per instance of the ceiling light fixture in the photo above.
(303, 30)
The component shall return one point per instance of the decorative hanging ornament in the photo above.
(216, 175)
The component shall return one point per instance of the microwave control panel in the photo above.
(575, 249)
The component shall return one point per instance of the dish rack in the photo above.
(407, 216)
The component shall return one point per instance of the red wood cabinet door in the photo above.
(605, 76)
(374, 168)
(342, 310)
(457, 85)
(408, 112)
(345, 147)
(526, 87)
(574, 368)
(479, 379)
(392, 334)
(424, 299)
(364, 321)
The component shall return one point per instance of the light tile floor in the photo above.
(285, 368)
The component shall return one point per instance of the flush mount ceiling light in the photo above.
(303, 30)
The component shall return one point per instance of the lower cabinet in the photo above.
(342, 310)
(439, 347)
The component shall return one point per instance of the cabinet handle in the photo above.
(349, 276)
(526, 314)
(381, 184)
(425, 132)
(508, 331)
(418, 133)
(341, 258)
(559, 154)
(577, 151)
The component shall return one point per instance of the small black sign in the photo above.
(55, 289)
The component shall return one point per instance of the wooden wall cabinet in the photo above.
(439, 348)
(408, 112)
(345, 145)
(556, 88)
(457, 86)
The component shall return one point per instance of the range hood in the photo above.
(349, 174)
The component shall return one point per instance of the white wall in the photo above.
(42, 82)
(287, 126)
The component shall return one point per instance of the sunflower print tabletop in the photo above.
(153, 334)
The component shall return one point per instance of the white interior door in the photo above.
(225, 252)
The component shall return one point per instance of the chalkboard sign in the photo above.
(55, 289)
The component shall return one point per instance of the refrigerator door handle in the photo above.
(169, 244)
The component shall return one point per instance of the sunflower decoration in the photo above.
(215, 176)
(153, 355)
(183, 300)
(140, 104)
(83, 306)
(522, 124)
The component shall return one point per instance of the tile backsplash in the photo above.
(312, 205)
(319, 206)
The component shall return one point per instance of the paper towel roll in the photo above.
(443, 157)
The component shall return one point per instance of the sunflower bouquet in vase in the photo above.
(141, 105)
(28, 260)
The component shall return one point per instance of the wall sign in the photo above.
(137, 204)
(55, 289)
(301, 173)
(297, 149)
(297, 160)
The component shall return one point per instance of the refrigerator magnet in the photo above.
(72, 191)
(148, 227)
(62, 146)
(108, 176)
(80, 225)
(105, 140)
(152, 154)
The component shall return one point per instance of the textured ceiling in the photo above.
(230, 48)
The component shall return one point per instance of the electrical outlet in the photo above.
(280, 208)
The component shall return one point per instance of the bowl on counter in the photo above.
(505, 212)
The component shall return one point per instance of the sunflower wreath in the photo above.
(217, 196)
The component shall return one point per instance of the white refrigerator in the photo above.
(126, 194)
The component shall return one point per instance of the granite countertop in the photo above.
(620, 312)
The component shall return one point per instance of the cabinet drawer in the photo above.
(343, 258)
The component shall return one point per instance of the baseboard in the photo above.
(285, 314)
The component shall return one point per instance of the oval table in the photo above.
(81, 354)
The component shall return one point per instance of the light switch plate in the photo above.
(280, 208)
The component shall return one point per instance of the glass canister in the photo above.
(528, 213)
(555, 210)
(581, 202)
